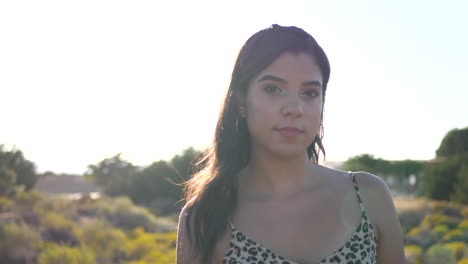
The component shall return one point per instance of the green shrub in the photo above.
(18, 243)
(434, 219)
(147, 246)
(122, 213)
(440, 231)
(58, 229)
(414, 254)
(156, 257)
(438, 254)
(28, 199)
(421, 236)
(106, 242)
(463, 225)
(410, 219)
(454, 235)
(464, 212)
(5, 204)
(58, 205)
(450, 209)
(54, 254)
(459, 248)
(8, 177)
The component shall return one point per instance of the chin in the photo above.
(288, 152)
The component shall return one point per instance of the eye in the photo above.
(272, 89)
(311, 93)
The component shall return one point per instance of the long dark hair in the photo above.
(212, 191)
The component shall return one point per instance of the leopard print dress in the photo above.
(360, 248)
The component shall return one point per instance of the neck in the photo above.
(271, 176)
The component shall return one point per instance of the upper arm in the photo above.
(382, 213)
(184, 250)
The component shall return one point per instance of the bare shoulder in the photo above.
(184, 248)
(373, 188)
(380, 208)
(376, 196)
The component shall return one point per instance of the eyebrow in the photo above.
(281, 80)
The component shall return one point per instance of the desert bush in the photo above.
(439, 231)
(464, 213)
(434, 219)
(459, 248)
(410, 219)
(18, 243)
(454, 235)
(106, 242)
(28, 199)
(122, 213)
(414, 254)
(129, 216)
(449, 209)
(438, 254)
(5, 204)
(156, 257)
(58, 229)
(463, 225)
(421, 236)
(59, 205)
(146, 246)
(54, 254)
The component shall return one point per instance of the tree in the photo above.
(367, 162)
(183, 163)
(439, 178)
(402, 169)
(447, 177)
(460, 194)
(24, 169)
(114, 175)
(7, 182)
(455, 142)
(155, 182)
(159, 186)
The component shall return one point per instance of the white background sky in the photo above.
(81, 81)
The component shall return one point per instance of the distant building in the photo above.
(71, 186)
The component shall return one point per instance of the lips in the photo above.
(289, 131)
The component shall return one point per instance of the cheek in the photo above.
(313, 117)
(261, 115)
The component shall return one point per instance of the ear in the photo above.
(242, 111)
(241, 106)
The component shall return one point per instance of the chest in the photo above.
(304, 229)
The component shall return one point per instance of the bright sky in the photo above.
(81, 81)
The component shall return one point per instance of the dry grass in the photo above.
(407, 203)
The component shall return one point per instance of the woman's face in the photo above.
(283, 105)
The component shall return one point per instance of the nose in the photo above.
(293, 107)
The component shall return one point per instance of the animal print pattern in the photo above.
(360, 248)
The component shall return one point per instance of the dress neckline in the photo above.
(362, 222)
(234, 232)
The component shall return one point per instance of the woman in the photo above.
(260, 195)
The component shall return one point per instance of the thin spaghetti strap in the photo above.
(356, 188)
(233, 227)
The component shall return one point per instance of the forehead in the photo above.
(293, 66)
